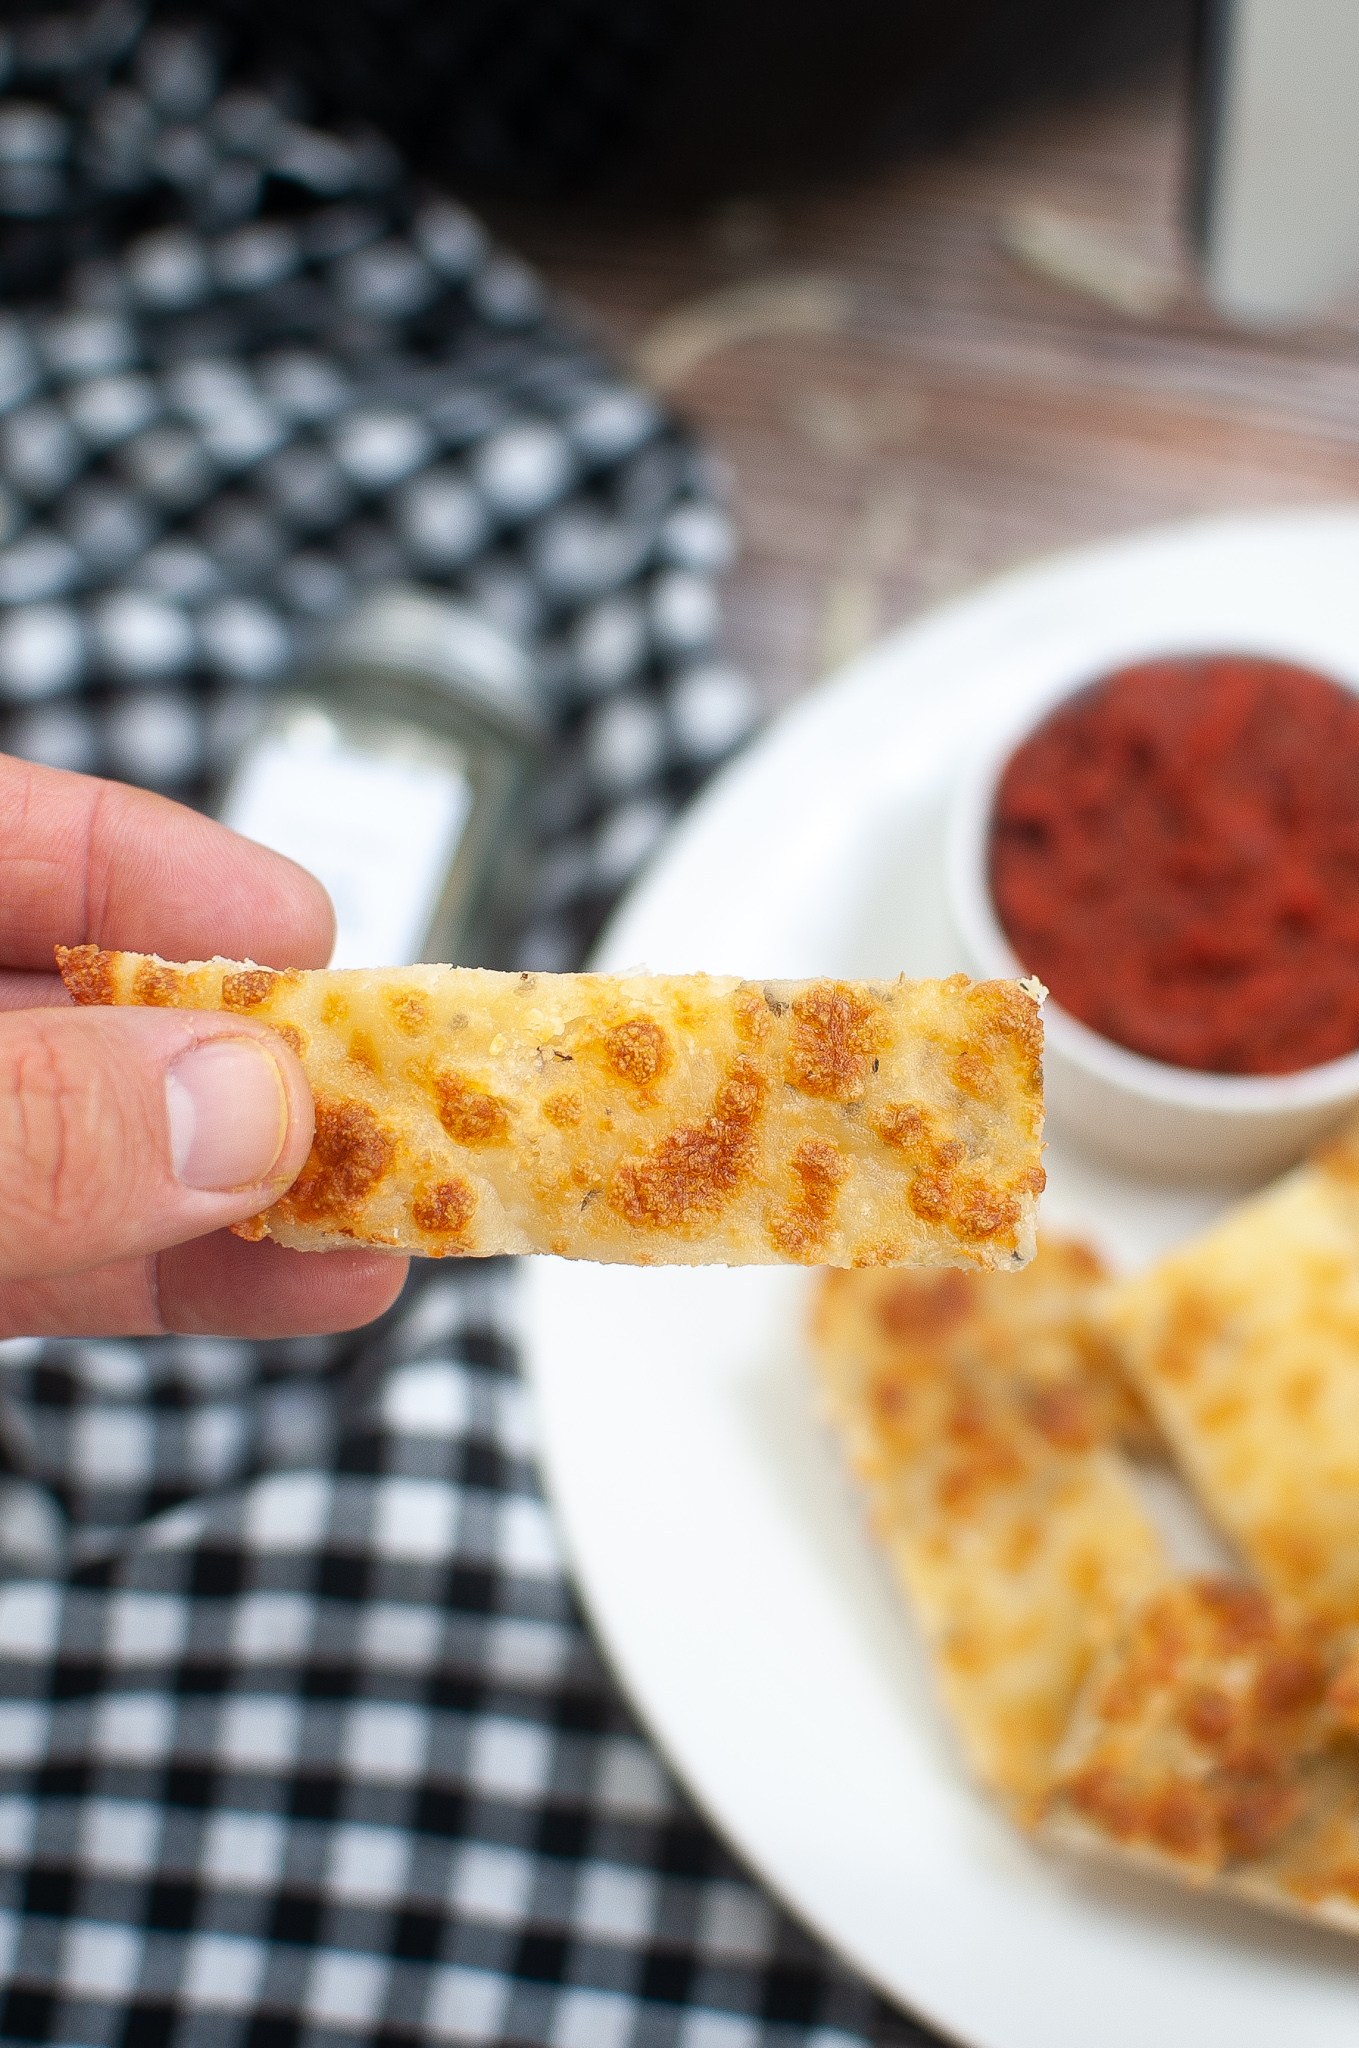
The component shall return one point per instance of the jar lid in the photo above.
(421, 637)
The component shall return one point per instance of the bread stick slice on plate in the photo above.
(642, 1119)
(983, 1421)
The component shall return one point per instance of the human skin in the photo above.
(131, 1139)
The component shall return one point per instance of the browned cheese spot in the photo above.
(799, 1228)
(752, 1015)
(1256, 1807)
(157, 986)
(1292, 1679)
(1104, 1797)
(1191, 1326)
(1069, 1255)
(349, 1156)
(471, 1115)
(696, 1169)
(444, 1207)
(87, 973)
(334, 1007)
(889, 1251)
(907, 1127)
(1193, 1823)
(1006, 1026)
(983, 1454)
(1180, 1819)
(410, 1011)
(638, 1050)
(1066, 1413)
(973, 1207)
(976, 1077)
(835, 1032)
(254, 1229)
(1208, 1715)
(247, 988)
(363, 1052)
(922, 1306)
(291, 1036)
(565, 1108)
(1240, 1616)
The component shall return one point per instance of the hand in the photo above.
(130, 1138)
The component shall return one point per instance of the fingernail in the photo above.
(228, 1114)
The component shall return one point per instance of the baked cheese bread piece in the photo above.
(1245, 1345)
(978, 1414)
(1215, 1742)
(1200, 1728)
(639, 1119)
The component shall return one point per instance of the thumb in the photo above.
(125, 1131)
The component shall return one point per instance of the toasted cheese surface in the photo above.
(1206, 1729)
(1245, 1345)
(642, 1119)
(978, 1415)
(1189, 1738)
(1215, 1742)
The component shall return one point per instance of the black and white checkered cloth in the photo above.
(303, 1743)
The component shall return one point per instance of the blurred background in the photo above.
(651, 101)
(921, 274)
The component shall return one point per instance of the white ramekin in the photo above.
(1161, 1122)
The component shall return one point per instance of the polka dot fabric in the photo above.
(303, 1743)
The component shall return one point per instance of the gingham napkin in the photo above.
(302, 1741)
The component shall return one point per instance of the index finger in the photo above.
(84, 861)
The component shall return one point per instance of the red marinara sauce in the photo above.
(1175, 852)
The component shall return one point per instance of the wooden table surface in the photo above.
(957, 365)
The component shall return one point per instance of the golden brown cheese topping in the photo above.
(978, 1410)
(1191, 1738)
(1216, 1741)
(1208, 1728)
(642, 1119)
(1245, 1344)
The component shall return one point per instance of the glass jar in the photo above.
(391, 769)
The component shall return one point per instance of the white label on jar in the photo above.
(379, 832)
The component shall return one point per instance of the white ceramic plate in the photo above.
(719, 1549)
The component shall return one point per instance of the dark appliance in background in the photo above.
(681, 100)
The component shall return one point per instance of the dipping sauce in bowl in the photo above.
(1175, 851)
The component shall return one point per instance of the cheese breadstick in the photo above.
(639, 1119)
(1244, 1344)
(982, 1419)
